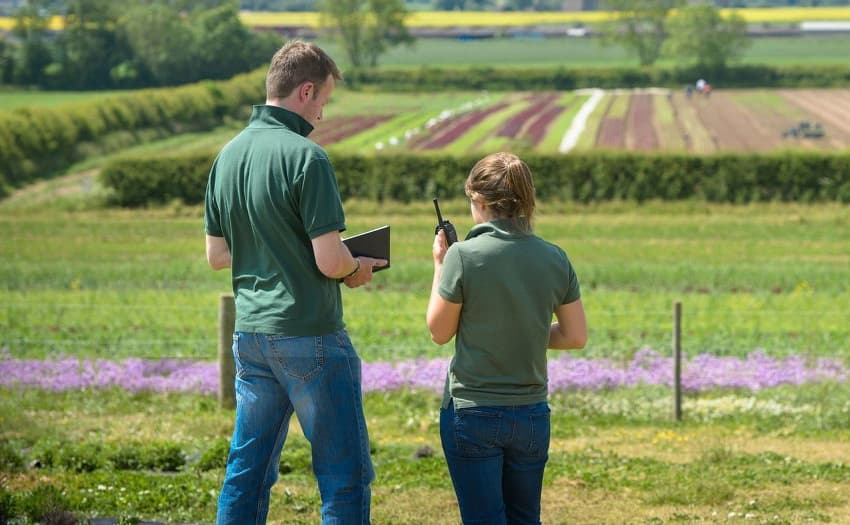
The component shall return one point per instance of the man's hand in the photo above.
(364, 274)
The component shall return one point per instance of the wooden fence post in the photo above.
(677, 360)
(226, 367)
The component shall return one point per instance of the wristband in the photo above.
(356, 268)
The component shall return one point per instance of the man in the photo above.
(273, 215)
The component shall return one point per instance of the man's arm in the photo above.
(336, 262)
(218, 256)
(570, 332)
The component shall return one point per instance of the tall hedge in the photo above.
(805, 177)
(564, 78)
(37, 141)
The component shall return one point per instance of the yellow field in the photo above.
(491, 19)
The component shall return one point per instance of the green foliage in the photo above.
(561, 78)
(44, 504)
(802, 177)
(214, 457)
(296, 457)
(640, 26)
(699, 33)
(10, 461)
(7, 505)
(36, 142)
(156, 455)
(366, 28)
(109, 44)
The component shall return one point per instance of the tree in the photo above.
(639, 26)
(366, 28)
(33, 53)
(162, 44)
(225, 46)
(700, 33)
(90, 46)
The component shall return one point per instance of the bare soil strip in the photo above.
(640, 133)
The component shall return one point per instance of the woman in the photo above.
(496, 292)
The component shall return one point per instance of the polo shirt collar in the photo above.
(498, 228)
(275, 116)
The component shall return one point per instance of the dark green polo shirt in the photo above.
(270, 191)
(510, 284)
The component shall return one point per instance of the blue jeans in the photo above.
(318, 378)
(496, 457)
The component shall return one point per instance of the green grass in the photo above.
(20, 99)
(588, 52)
(614, 446)
(120, 283)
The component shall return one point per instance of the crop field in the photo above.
(648, 120)
(524, 19)
(438, 19)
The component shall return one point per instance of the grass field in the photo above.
(133, 283)
(22, 99)
(776, 456)
(588, 52)
(96, 283)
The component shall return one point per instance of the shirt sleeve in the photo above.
(573, 288)
(212, 217)
(451, 278)
(320, 204)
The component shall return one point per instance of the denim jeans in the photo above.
(496, 457)
(317, 378)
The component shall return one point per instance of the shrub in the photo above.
(296, 456)
(10, 460)
(83, 457)
(44, 504)
(215, 457)
(594, 177)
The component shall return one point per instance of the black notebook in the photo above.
(373, 243)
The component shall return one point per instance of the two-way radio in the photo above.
(445, 225)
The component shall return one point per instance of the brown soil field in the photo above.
(829, 107)
(612, 131)
(734, 127)
(640, 133)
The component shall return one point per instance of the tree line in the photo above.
(114, 44)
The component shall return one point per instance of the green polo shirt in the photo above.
(510, 284)
(270, 191)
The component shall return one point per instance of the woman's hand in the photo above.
(440, 247)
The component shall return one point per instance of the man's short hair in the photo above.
(295, 63)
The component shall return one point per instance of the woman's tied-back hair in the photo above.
(503, 183)
(295, 63)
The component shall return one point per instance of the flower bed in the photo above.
(566, 372)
